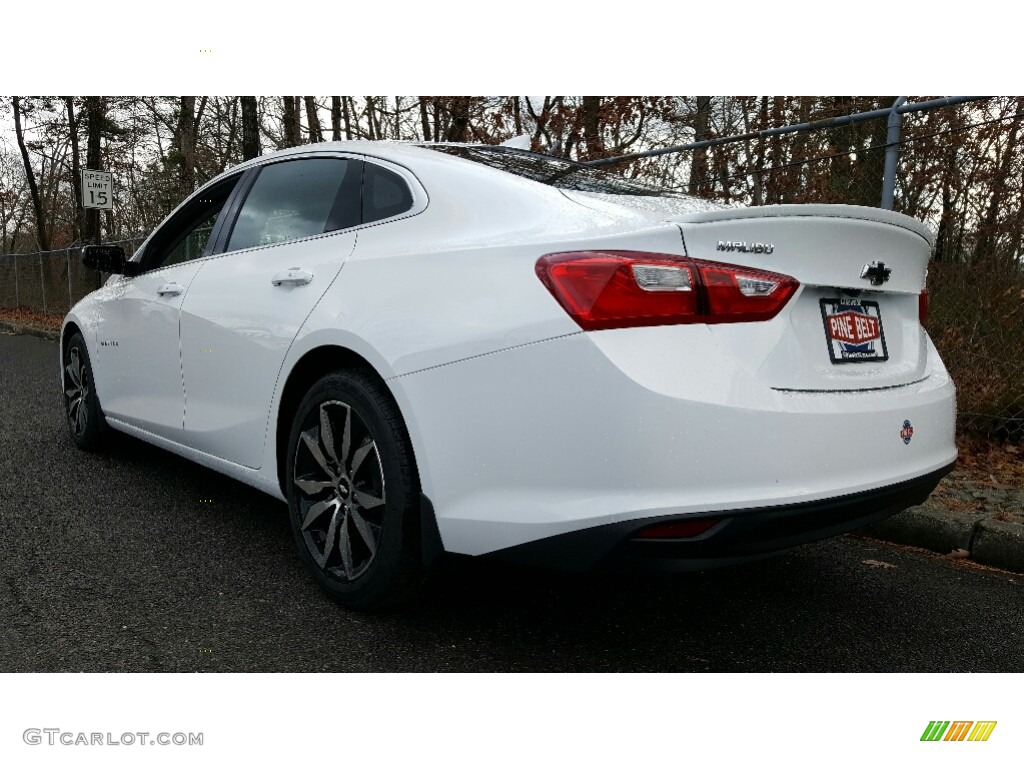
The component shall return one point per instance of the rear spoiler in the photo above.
(811, 209)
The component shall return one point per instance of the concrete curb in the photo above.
(42, 333)
(988, 540)
(999, 544)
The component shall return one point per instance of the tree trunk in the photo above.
(41, 236)
(369, 118)
(699, 168)
(776, 187)
(291, 134)
(458, 107)
(755, 158)
(316, 134)
(186, 136)
(425, 119)
(799, 145)
(335, 118)
(76, 169)
(946, 218)
(592, 127)
(250, 128)
(297, 117)
(345, 104)
(95, 115)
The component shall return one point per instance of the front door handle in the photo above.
(292, 276)
(169, 289)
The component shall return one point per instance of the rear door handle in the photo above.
(169, 289)
(292, 276)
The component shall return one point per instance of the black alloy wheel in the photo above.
(86, 423)
(353, 492)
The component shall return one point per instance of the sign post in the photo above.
(97, 190)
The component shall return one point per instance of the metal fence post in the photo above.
(892, 153)
(42, 282)
(17, 295)
(68, 252)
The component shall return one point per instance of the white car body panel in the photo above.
(524, 426)
(647, 437)
(137, 361)
(236, 327)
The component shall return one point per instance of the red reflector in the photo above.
(626, 289)
(685, 529)
(922, 306)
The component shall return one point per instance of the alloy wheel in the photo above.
(339, 482)
(76, 393)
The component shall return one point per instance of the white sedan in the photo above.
(486, 351)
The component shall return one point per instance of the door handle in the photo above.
(292, 276)
(169, 289)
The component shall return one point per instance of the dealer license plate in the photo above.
(853, 331)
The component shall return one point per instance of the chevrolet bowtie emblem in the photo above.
(876, 272)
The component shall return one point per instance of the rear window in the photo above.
(555, 171)
(385, 194)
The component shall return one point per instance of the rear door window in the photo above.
(298, 198)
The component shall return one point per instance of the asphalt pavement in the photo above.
(136, 560)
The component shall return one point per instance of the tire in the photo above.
(83, 414)
(353, 492)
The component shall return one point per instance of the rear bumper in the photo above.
(740, 536)
(616, 427)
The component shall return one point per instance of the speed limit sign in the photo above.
(97, 190)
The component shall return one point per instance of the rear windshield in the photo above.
(556, 171)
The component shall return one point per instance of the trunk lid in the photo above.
(842, 330)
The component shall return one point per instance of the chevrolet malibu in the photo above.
(486, 351)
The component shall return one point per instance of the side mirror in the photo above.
(108, 258)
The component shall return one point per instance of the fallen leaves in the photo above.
(31, 318)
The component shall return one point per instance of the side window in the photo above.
(186, 236)
(385, 194)
(298, 198)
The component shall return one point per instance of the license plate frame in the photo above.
(854, 332)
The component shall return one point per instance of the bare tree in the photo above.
(186, 145)
(316, 135)
(699, 168)
(250, 128)
(290, 122)
(95, 115)
(335, 118)
(591, 118)
(424, 118)
(37, 204)
(76, 168)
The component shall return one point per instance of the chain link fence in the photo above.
(976, 276)
(50, 282)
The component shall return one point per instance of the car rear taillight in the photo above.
(624, 289)
(922, 306)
